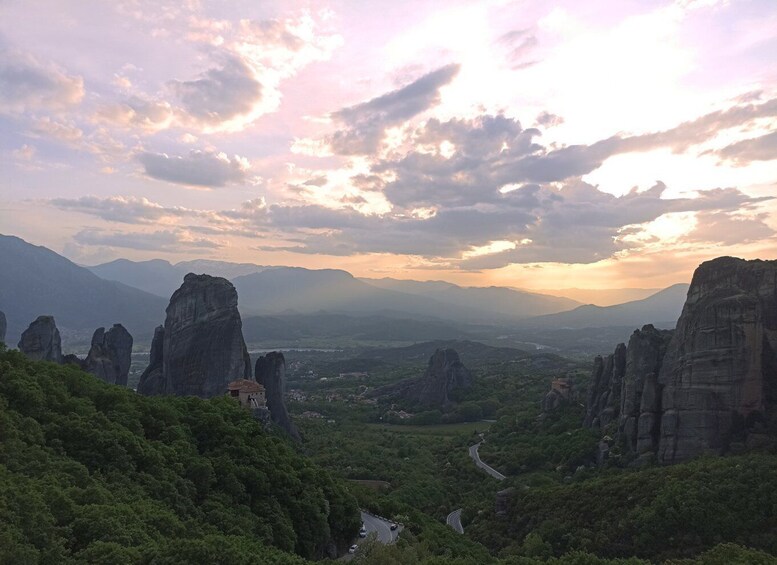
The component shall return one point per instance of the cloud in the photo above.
(221, 93)
(763, 148)
(570, 223)
(173, 240)
(727, 228)
(137, 112)
(28, 84)
(198, 168)
(123, 209)
(367, 122)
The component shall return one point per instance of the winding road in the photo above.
(381, 527)
(473, 452)
(454, 520)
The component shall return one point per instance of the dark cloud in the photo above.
(198, 168)
(27, 84)
(221, 93)
(365, 123)
(763, 148)
(573, 223)
(173, 240)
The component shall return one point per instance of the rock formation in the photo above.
(270, 372)
(708, 387)
(151, 381)
(444, 374)
(719, 375)
(41, 341)
(110, 355)
(561, 392)
(3, 327)
(202, 344)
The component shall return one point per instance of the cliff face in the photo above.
(202, 342)
(708, 386)
(271, 373)
(719, 376)
(41, 341)
(152, 380)
(110, 355)
(444, 374)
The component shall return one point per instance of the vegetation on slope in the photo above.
(94, 472)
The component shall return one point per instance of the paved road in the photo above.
(454, 520)
(473, 452)
(381, 527)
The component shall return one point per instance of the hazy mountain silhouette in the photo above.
(35, 281)
(498, 301)
(162, 278)
(661, 309)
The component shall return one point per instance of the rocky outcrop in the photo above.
(708, 387)
(719, 375)
(110, 355)
(624, 382)
(604, 391)
(152, 381)
(444, 374)
(41, 341)
(3, 327)
(202, 344)
(562, 391)
(270, 372)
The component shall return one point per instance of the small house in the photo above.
(250, 394)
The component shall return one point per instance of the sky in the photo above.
(527, 143)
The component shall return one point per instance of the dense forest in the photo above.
(94, 472)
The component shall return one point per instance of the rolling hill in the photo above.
(661, 309)
(35, 280)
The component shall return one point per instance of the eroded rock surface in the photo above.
(708, 387)
(41, 341)
(152, 380)
(444, 374)
(270, 372)
(719, 376)
(202, 342)
(110, 355)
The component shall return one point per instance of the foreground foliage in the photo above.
(93, 472)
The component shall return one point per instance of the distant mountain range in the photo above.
(35, 281)
(286, 290)
(661, 309)
(162, 278)
(295, 303)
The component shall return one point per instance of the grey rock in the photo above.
(444, 374)
(271, 373)
(604, 392)
(644, 358)
(624, 386)
(719, 375)
(152, 380)
(561, 392)
(202, 344)
(41, 341)
(72, 359)
(110, 355)
(3, 327)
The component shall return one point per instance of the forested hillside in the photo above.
(93, 472)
